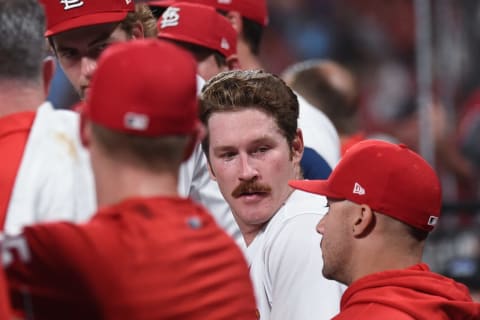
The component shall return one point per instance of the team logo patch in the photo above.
(136, 121)
(432, 220)
(224, 44)
(358, 189)
(170, 18)
(71, 4)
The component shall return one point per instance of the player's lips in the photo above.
(253, 196)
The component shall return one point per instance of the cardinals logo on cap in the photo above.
(170, 18)
(71, 4)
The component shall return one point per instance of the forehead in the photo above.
(242, 126)
(85, 36)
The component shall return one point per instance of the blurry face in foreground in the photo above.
(252, 162)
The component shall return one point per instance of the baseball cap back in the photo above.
(64, 15)
(146, 88)
(200, 25)
(390, 178)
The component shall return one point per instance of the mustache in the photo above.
(250, 186)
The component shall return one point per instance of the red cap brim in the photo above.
(86, 20)
(314, 186)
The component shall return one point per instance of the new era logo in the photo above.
(170, 18)
(358, 189)
(71, 4)
(432, 220)
(224, 44)
(136, 121)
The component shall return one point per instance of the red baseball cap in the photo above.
(389, 178)
(63, 15)
(255, 10)
(144, 87)
(161, 3)
(200, 25)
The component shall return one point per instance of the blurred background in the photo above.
(417, 75)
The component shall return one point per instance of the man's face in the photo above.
(78, 50)
(252, 163)
(335, 244)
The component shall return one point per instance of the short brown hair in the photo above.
(237, 90)
(144, 15)
(156, 154)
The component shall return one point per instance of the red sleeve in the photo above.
(41, 272)
(14, 131)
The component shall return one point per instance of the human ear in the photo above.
(363, 220)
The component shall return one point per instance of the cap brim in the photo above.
(314, 186)
(86, 20)
(160, 3)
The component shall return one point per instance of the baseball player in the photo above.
(148, 253)
(249, 18)
(254, 148)
(201, 30)
(78, 31)
(45, 174)
(383, 201)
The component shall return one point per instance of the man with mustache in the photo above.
(253, 148)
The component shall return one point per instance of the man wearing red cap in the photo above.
(254, 148)
(249, 18)
(204, 32)
(148, 253)
(79, 31)
(383, 201)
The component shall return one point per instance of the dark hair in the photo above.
(252, 33)
(23, 46)
(153, 153)
(237, 90)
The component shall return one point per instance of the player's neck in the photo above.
(378, 257)
(114, 186)
(17, 96)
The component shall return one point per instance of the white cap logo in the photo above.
(224, 1)
(128, 1)
(71, 4)
(136, 121)
(224, 44)
(432, 220)
(358, 189)
(170, 18)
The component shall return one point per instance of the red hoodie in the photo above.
(413, 293)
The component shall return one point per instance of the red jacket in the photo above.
(413, 293)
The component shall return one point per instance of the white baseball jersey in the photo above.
(286, 263)
(55, 180)
(319, 133)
